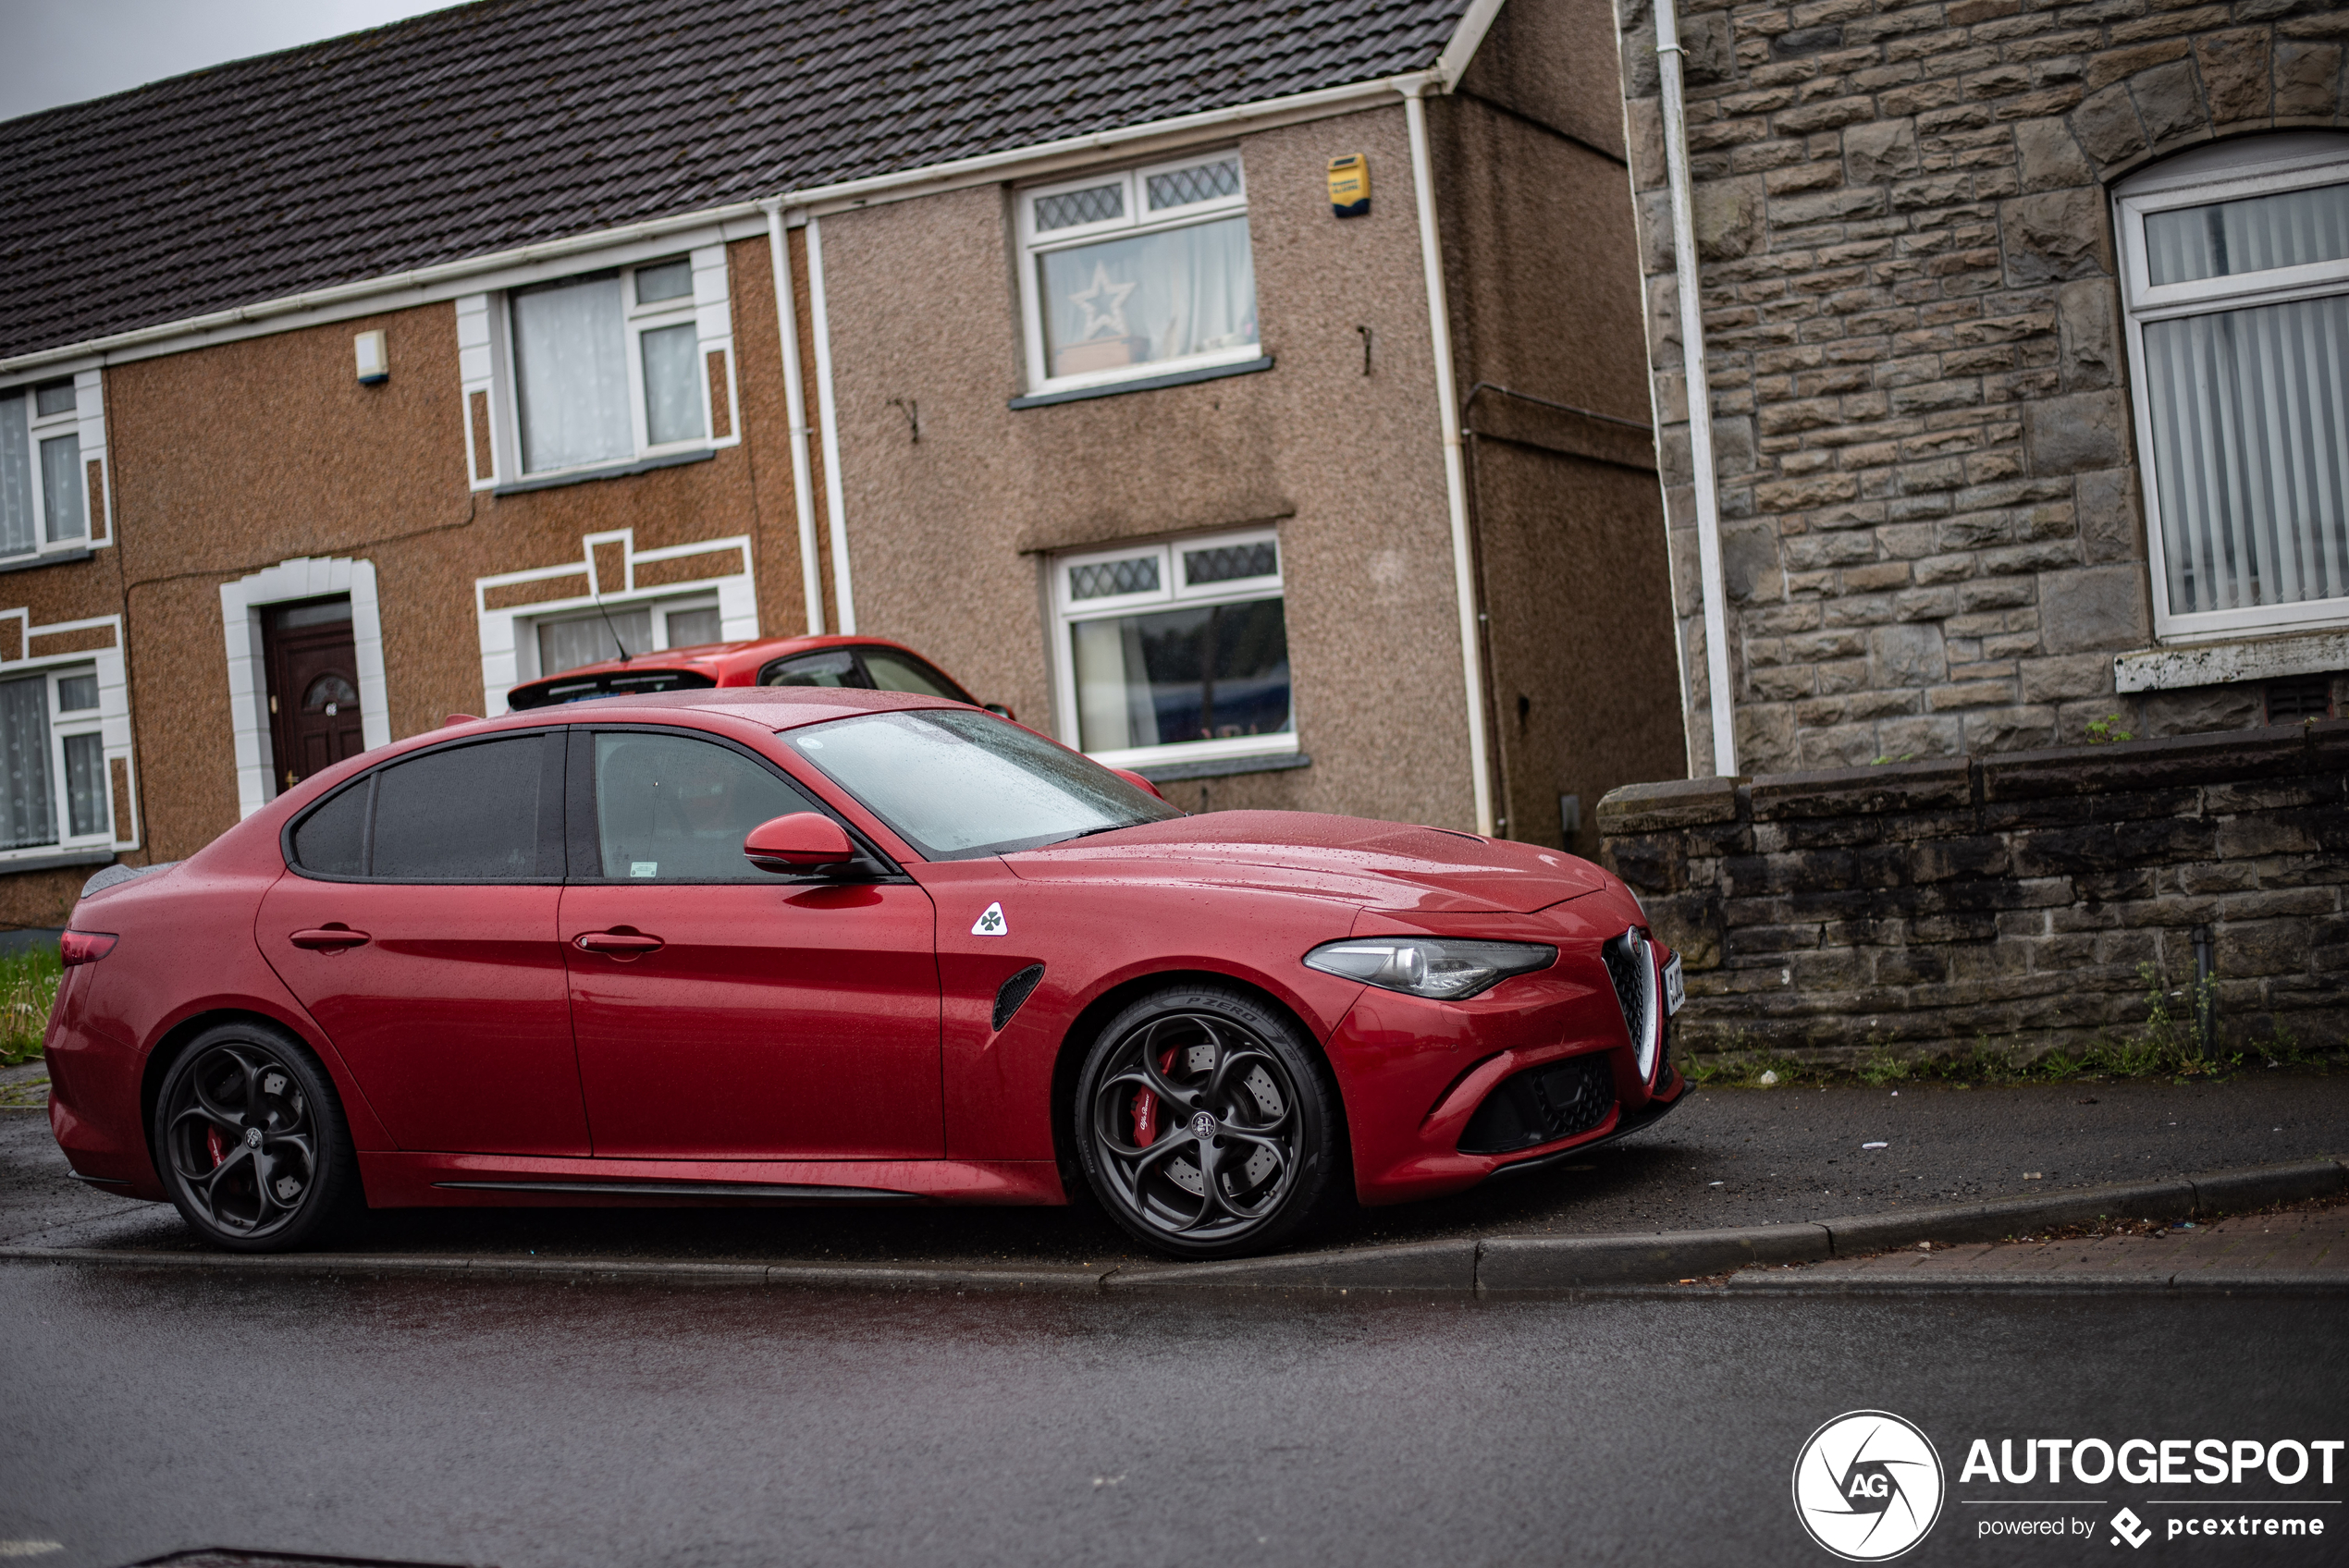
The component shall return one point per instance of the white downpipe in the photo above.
(827, 420)
(1700, 397)
(1455, 473)
(802, 490)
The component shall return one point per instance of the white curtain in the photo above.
(1113, 707)
(571, 368)
(672, 387)
(17, 534)
(1167, 296)
(567, 644)
(61, 497)
(86, 783)
(2251, 454)
(2257, 234)
(28, 815)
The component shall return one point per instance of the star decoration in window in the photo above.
(1109, 318)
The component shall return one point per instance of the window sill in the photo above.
(1223, 767)
(615, 471)
(2216, 664)
(54, 558)
(53, 860)
(1144, 384)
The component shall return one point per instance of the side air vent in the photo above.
(1014, 991)
(1541, 1105)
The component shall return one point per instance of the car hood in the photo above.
(1385, 865)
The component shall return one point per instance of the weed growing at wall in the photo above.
(28, 986)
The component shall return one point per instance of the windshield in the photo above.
(956, 784)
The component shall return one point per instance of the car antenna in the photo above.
(611, 628)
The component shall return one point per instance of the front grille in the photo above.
(1541, 1104)
(1630, 961)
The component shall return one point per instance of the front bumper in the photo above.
(1416, 1074)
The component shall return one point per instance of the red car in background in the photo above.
(800, 944)
(870, 664)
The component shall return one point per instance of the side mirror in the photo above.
(806, 841)
(1138, 782)
(1000, 711)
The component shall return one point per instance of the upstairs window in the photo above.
(43, 499)
(1177, 652)
(2235, 267)
(1138, 274)
(608, 367)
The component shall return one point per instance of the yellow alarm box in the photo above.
(1350, 186)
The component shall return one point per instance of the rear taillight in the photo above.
(84, 947)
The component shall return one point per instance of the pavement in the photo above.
(449, 1421)
(1733, 1179)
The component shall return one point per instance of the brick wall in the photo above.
(1923, 905)
(1932, 535)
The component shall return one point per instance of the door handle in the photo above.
(329, 939)
(617, 944)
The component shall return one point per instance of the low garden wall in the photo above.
(2018, 901)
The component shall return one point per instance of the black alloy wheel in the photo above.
(250, 1141)
(1206, 1126)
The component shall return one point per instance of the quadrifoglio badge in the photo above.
(1868, 1486)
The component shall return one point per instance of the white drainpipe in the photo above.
(803, 491)
(1708, 499)
(1455, 475)
(835, 508)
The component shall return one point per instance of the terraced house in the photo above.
(1103, 351)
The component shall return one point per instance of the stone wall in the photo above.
(1925, 905)
(1933, 540)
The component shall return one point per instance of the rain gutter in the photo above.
(796, 410)
(1718, 694)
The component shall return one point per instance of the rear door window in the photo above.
(834, 667)
(490, 811)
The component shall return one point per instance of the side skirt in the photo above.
(404, 1180)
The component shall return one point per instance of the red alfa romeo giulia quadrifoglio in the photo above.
(827, 945)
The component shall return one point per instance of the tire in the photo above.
(251, 1141)
(1208, 1126)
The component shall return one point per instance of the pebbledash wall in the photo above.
(1921, 907)
(1933, 502)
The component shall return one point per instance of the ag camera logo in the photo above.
(1868, 1486)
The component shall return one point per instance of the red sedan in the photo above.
(795, 944)
(867, 664)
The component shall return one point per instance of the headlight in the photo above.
(1427, 966)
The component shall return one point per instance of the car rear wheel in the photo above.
(1207, 1126)
(250, 1141)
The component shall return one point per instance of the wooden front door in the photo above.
(314, 687)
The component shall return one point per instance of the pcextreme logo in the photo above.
(1868, 1485)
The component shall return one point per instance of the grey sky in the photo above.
(63, 51)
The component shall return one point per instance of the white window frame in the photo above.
(720, 572)
(1136, 220)
(662, 603)
(85, 421)
(1171, 593)
(110, 720)
(2255, 167)
(486, 360)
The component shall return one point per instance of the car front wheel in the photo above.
(1207, 1126)
(250, 1141)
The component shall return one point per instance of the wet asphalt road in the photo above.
(1726, 1156)
(523, 1425)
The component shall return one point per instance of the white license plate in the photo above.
(1673, 994)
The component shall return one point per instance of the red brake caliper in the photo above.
(215, 1145)
(1146, 1107)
